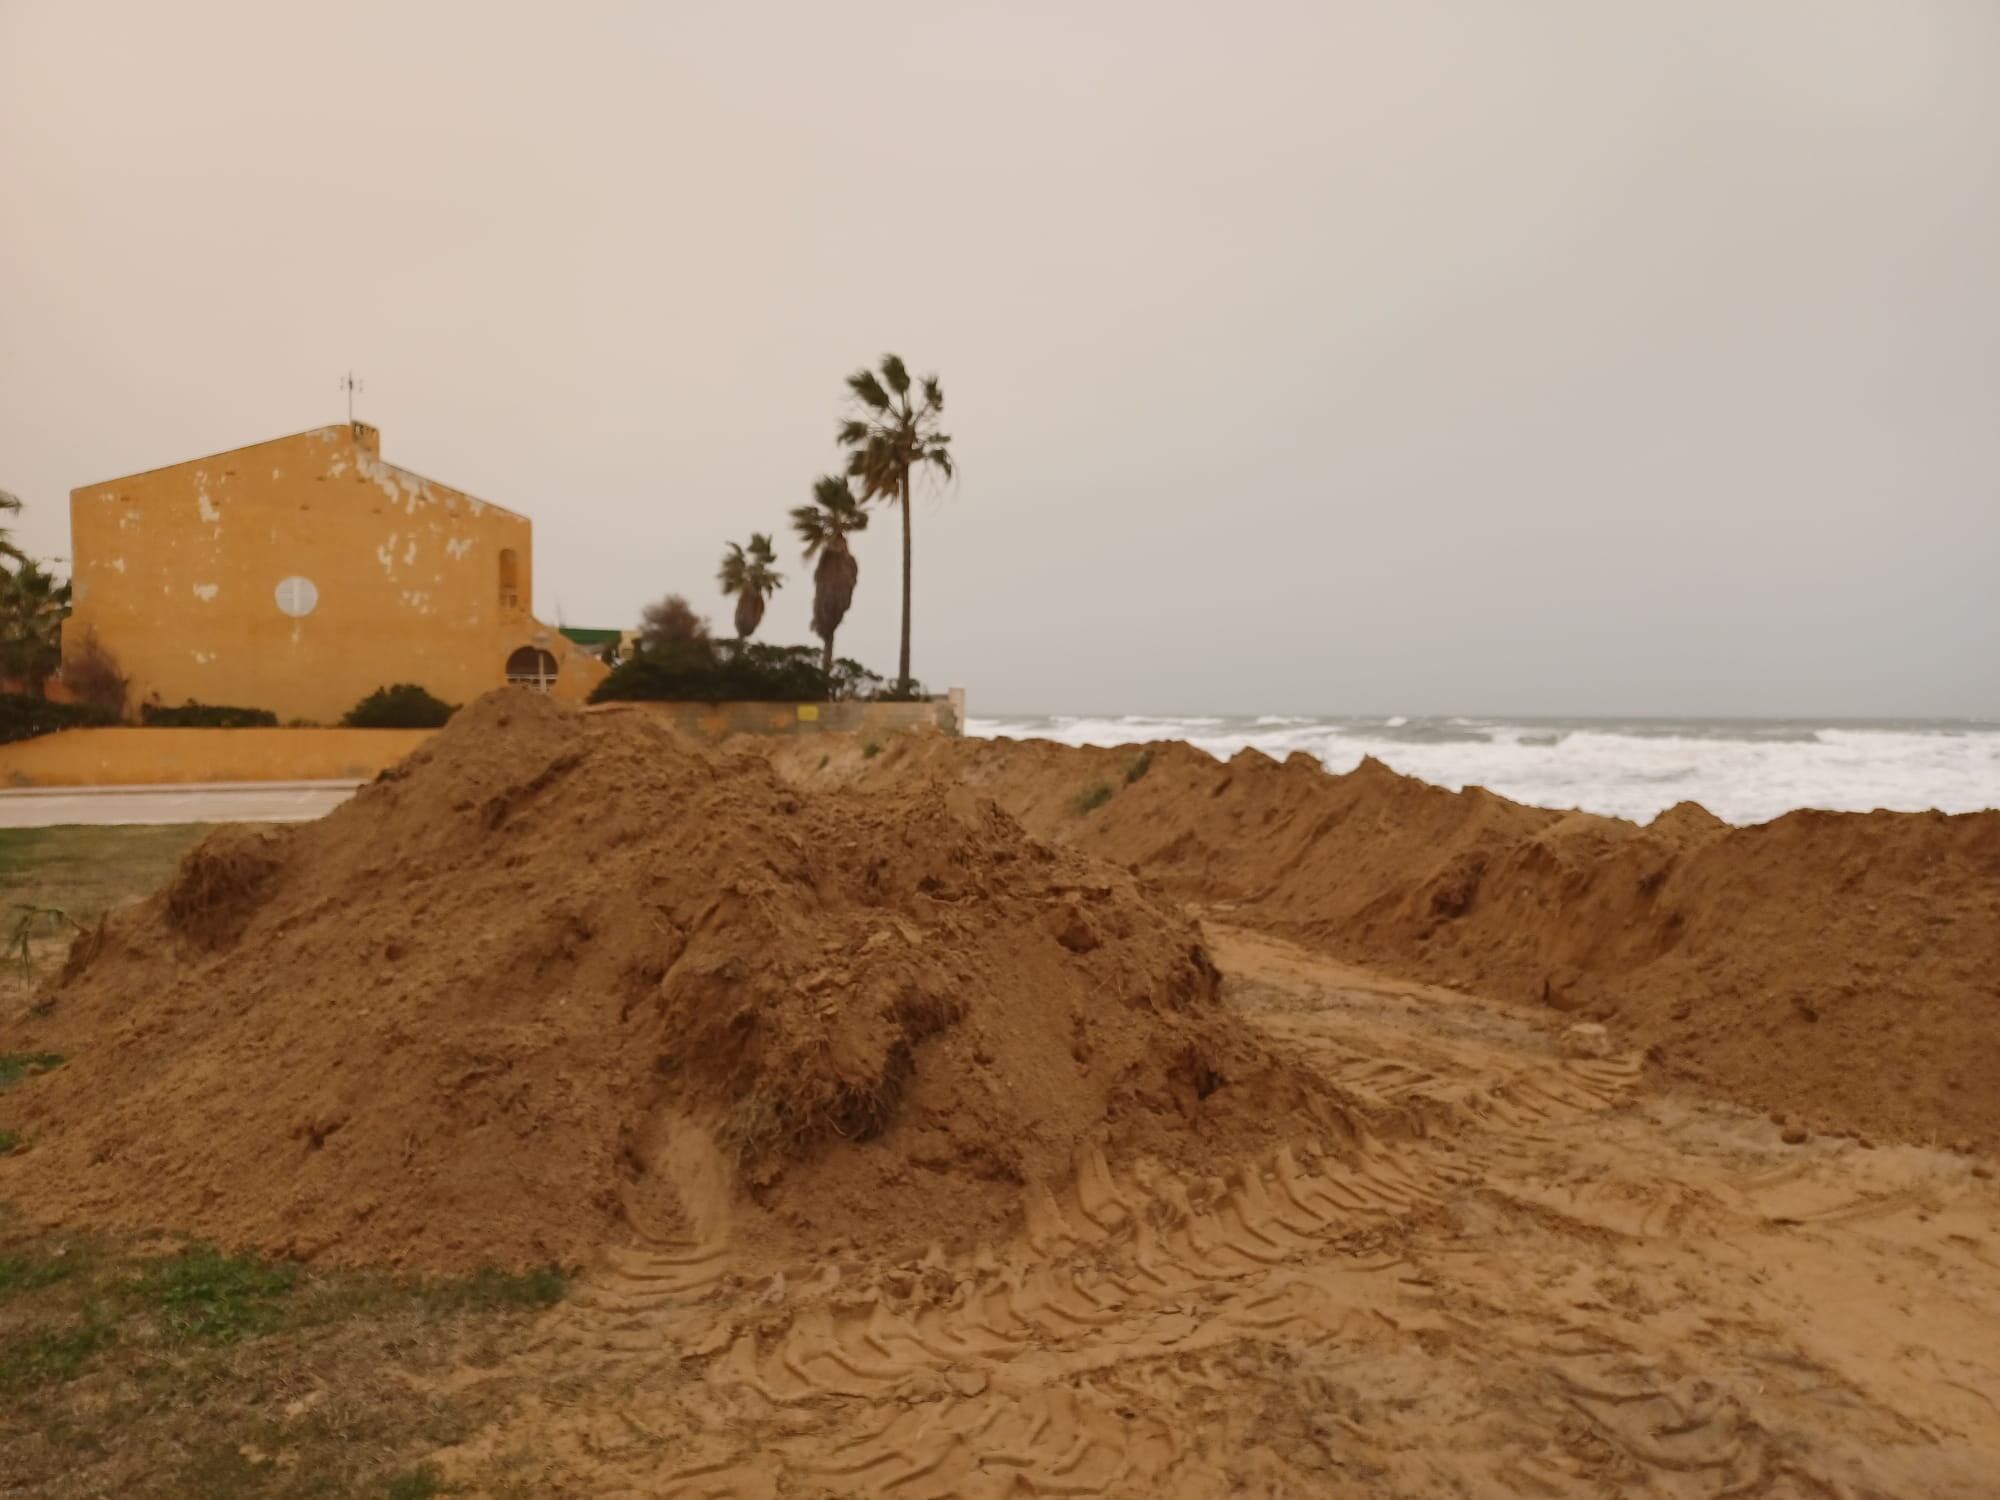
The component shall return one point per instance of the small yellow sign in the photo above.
(808, 713)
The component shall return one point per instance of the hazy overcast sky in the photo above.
(1551, 356)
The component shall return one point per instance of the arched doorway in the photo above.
(531, 667)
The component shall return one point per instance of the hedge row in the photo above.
(23, 717)
(404, 706)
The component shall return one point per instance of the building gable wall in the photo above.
(299, 575)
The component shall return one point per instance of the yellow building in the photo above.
(301, 574)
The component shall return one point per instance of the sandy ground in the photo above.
(1553, 1281)
(215, 802)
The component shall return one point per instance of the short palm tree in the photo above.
(890, 438)
(747, 573)
(823, 528)
(33, 605)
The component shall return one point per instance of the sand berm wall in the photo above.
(1843, 968)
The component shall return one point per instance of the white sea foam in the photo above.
(1744, 771)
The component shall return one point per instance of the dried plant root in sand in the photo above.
(561, 979)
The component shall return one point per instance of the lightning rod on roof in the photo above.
(350, 383)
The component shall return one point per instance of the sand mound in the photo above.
(1841, 967)
(480, 1012)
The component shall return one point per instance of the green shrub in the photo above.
(870, 750)
(1093, 797)
(93, 676)
(23, 717)
(704, 671)
(404, 706)
(1138, 766)
(193, 715)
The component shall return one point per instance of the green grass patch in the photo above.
(204, 1296)
(14, 1066)
(33, 1268)
(9, 1139)
(1093, 797)
(419, 1483)
(86, 871)
(491, 1290)
(41, 1353)
(1138, 766)
(127, 1368)
(870, 750)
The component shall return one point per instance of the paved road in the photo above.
(214, 802)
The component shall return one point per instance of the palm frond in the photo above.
(896, 374)
(933, 394)
(735, 569)
(868, 390)
(840, 510)
(810, 522)
(870, 464)
(849, 516)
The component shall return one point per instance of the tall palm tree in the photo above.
(10, 507)
(823, 528)
(890, 438)
(748, 575)
(33, 605)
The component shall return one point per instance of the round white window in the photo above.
(297, 597)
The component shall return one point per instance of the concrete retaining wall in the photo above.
(716, 721)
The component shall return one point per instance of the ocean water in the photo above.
(1742, 770)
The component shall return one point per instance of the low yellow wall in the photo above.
(144, 757)
(148, 757)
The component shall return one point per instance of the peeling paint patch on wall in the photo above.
(398, 484)
(457, 548)
(206, 592)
